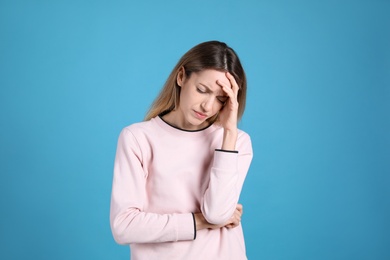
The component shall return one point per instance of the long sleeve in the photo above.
(129, 223)
(227, 176)
(161, 175)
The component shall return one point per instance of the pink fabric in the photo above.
(161, 175)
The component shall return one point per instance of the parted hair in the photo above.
(207, 55)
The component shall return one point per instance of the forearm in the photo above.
(134, 226)
(226, 180)
(229, 140)
(234, 221)
(201, 222)
(221, 197)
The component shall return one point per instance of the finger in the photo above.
(226, 88)
(236, 216)
(238, 213)
(230, 93)
(229, 225)
(241, 212)
(232, 224)
(233, 82)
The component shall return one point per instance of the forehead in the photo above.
(209, 79)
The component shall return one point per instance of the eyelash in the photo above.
(222, 102)
(200, 91)
(203, 92)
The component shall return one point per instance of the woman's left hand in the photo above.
(228, 114)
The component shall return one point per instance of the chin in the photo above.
(196, 124)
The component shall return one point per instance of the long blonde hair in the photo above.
(207, 55)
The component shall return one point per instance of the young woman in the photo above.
(178, 175)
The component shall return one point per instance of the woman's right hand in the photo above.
(233, 222)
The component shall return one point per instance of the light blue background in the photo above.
(74, 73)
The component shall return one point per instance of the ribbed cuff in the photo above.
(193, 216)
(227, 151)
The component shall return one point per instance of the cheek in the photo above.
(217, 106)
(185, 97)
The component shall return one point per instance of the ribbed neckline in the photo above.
(175, 130)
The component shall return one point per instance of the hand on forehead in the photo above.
(212, 79)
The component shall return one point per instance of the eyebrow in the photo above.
(222, 93)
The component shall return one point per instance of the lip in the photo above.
(200, 115)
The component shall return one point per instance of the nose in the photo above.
(207, 104)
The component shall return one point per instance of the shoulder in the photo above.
(141, 128)
(138, 137)
(139, 133)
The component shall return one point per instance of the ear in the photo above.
(181, 75)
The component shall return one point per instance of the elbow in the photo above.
(216, 220)
(218, 215)
(124, 226)
(123, 232)
(120, 235)
(215, 217)
(120, 240)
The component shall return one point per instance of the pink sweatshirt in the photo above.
(161, 175)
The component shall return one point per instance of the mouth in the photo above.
(200, 115)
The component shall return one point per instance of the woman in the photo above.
(178, 175)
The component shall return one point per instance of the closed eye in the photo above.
(200, 90)
(222, 99)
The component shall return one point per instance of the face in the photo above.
(201, 97)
